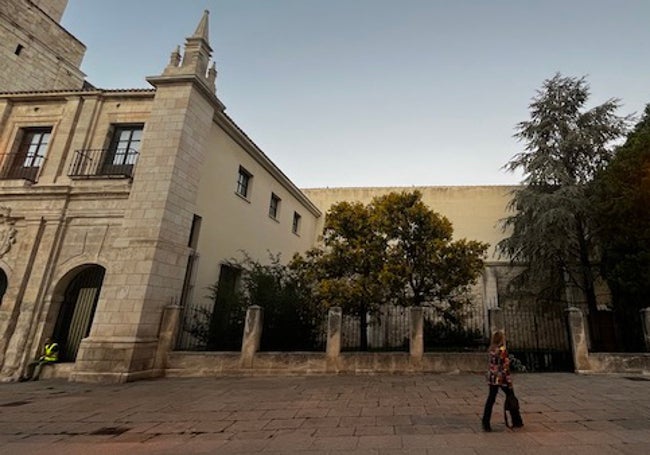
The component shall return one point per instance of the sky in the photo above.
(354, 93)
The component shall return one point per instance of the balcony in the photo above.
(103, 163)
(19, 167)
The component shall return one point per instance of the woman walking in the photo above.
(498, 377)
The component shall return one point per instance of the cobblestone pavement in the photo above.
(318, 415)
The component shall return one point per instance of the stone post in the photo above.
(167, 335)
(578, 339)
(645, 320)
(416, 344)
(495, 315)
(334, 320)
(252, 335)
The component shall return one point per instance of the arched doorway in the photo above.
(77, 311)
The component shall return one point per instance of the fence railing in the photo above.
(389, 329)
(103, 163)
(17, 166)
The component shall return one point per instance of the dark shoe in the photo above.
(486, 427)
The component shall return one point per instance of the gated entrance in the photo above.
(77, 311)
(539, 338)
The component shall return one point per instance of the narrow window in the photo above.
(243, 182)
(30, 154)
(295, 227)
(123, 150)
(19, 49)
(194, 232)
(274, 206)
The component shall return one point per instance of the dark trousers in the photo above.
(489, 403)
(33, 370)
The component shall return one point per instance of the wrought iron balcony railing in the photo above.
(103, 163)
(18, 166)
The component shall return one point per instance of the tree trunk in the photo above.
(363, 328)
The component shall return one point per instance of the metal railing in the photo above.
(103, 163)
(13, 167)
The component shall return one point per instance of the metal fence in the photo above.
(538, 338)
(389, 329)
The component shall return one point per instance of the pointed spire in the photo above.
(195, 59)
(202, 28)
(175, 57)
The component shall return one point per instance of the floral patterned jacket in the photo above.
(499, 367)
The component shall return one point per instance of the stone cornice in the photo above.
(198, 82)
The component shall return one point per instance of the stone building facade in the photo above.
(116, 203)
(36, 52)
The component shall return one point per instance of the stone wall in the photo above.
(36, 52)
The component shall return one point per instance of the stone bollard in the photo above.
(334, 321)
(167, 335)
(252, 335)
(416, 345)
(495, 316)
(645, 320)
(578, 339)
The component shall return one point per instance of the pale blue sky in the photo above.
(377, 92)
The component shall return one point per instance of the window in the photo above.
(274, 206)
(30, 154)
(123, 150)
(19, 49)
(243, 182)
(194, 232)
(295, 228)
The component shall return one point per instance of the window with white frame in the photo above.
(274, 206)
(244, 182)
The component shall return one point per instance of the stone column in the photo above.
(334, 320)
(645, 320)
(578, 339)
(167, 335)
(252, 335)
(416, 344)
(495, 315)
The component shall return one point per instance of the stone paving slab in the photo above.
(325, 415)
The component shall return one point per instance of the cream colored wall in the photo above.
(231, 223)
(474, 211)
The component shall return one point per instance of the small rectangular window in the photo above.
(295, 228)
(19, 49)
(243, 182)
(274, 206)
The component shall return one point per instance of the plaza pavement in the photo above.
(317, 415)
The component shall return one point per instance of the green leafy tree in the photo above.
(394, 249)
(621, 199)
(346, 271)
(565, 145)
(423, 265)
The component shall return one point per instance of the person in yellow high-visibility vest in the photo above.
(50, 355)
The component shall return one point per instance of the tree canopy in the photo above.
(565, 146)
(393, 250)
(620, 196)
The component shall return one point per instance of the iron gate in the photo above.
(538, 338)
